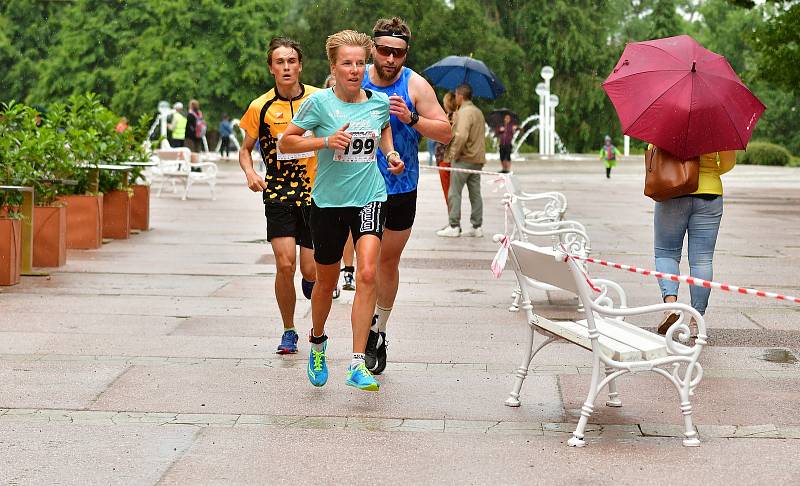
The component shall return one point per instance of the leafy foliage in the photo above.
(763, 153)
(134, 53)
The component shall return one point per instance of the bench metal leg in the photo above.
(691, 439)
(516, 295)
(522, 372)
(613, 396)
(588, 406)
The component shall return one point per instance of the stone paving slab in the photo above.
(35, 453)
(87, 323)
(478, 459)
(426, 394)
(716, 401)
(54, 384)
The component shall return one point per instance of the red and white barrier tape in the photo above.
(466, 171)
(698, 282)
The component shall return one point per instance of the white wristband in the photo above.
(326, 141)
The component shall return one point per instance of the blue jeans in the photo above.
(675, 218)
(431, 150)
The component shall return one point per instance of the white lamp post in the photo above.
(627, 140)
(547, 74)
(541, 90)
(163, 110)
(552, 119)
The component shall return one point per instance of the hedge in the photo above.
(764, 153)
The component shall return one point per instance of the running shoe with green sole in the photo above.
(360, 377)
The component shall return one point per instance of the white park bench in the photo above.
(617, 347)
(180, 166)
(571, 234)
(544, 206)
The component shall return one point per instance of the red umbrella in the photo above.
(681, 97)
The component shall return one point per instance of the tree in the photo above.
(777, 42)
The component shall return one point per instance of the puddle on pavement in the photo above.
(469, 291)
(777, 355)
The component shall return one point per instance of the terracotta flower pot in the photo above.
(84, 221)
(10, 251)
(49, 236)
(140, 208)
(117, 215)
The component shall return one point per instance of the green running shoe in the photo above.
(360, 377)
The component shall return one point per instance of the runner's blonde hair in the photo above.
(347, 38)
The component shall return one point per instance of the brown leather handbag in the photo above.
(666, 176)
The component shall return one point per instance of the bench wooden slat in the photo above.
(578, 333)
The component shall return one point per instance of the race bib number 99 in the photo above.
(363, 148)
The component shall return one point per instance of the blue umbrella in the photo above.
(455, 70)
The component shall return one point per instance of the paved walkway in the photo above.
(151, 360)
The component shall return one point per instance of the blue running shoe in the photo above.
(360, 377)
(288, 343)
(317, 370)
(307, 287)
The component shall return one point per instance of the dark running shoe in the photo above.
(307, 287)
(371, 353)
(288, 343)
(381, 354)
(375, 355)
(337, 292)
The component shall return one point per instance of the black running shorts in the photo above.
(401, 209)
(330, 227)
(288, 220)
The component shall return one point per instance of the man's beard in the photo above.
(383, 75)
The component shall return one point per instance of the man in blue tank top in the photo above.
(415, 113)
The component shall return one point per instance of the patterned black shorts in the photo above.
(330, 227)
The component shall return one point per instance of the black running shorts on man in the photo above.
(330, 227)
(286, 220)
(401, 209)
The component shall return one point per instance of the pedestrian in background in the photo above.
(467, 150)
(225, 132)
(449, 104)
(608, 154)
(177, 126)
(505, 134)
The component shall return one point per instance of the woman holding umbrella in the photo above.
(505, 134)
(688, 101)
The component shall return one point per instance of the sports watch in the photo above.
(414, 118)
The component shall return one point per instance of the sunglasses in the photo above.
(391, 51)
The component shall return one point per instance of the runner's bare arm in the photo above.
(294, 141)
(396, 165)
(254, 181)
(432, 119)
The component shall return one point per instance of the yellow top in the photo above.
(712, 166)
(289, 177)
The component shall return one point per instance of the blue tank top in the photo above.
(406, 138)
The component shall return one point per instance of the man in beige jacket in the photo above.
(466, 151)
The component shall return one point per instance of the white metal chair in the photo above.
(178, 165)
(617, 347)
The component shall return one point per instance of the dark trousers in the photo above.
(224, 145)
